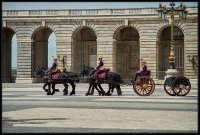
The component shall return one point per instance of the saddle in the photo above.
(102, 75)
(55, 74)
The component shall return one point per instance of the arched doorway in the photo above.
(6, 45)
(84, 49)
(40, 49)
(164, 50)
(126, 52)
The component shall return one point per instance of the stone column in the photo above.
(105, 49)
(24, 62)
(64, 48)
(148, 47)
(191, 51)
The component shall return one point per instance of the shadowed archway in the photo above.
(164, 42)
(126, 51)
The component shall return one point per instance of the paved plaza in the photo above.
(27, 109)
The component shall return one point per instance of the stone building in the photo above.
(121, 36)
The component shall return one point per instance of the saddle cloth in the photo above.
(101, 75)
(56, 76)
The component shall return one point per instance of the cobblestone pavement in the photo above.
(27, 109)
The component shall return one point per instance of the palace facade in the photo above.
(121, 36)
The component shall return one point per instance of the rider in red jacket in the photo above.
(99, 69)
(53, 68)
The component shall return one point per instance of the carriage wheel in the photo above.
(144, 86)
(168, 89)
(181, 86)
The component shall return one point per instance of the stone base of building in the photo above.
(171, 73)
(26, 80)
(5, 80)
(194, 83)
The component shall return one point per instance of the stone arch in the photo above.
(84, 48)
(121, 26)
(39, 47)
(76, 28)
(126, 51)
(165, 24)
(7, 34)
(163, 45)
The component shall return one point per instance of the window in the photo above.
(178, 56)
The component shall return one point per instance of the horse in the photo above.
(63, 78)
(113, 79)
(85, 71)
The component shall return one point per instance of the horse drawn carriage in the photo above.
(144, 85)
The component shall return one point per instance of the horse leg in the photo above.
(90, 85)
(119, 91)
(49, 89)
(65, 91)
(112, 88)
(45, 84)
(92, 91)
(108, 92)
(99, 91)
(73, 87)
(53, 88)
(88, 92)
(102, 91)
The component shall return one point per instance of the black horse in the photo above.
(114, 80)
(64, 78)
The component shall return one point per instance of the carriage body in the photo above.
(144, 84)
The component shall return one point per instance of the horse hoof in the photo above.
(107, 93)
(103, 93)
(72, 93)
(65, 93)
(48, 93)
(99, 93)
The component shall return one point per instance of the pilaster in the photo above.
(24, 62)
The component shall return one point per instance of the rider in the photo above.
(53, 69)
(99, 68)
(143, 67)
